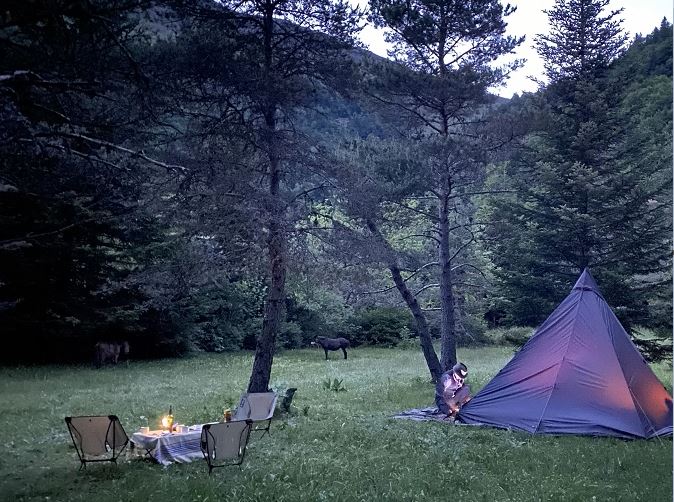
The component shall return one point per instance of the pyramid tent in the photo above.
(579, 374)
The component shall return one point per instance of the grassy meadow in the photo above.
(332, 446)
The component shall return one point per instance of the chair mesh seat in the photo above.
(97, 438)
(225, 443)
(258, 407)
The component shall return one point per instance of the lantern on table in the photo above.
(167, 421)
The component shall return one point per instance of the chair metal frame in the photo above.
(205, 444)
(244, 399)
(115, 454)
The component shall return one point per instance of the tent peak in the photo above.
(586, 282)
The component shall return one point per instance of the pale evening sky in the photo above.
(640, 16)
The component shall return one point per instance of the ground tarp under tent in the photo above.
(578, 374)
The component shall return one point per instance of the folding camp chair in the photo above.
(225, 443)
(97, 438)
(258, 407)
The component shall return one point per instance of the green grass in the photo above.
(346, 446)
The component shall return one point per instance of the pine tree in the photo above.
(74, 186)
(451, 47)
(582, 39)
(584, 197)
(279, 52)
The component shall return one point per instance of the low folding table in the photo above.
(169, 447)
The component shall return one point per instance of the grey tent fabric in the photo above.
(579, 374)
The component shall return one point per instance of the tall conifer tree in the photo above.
(451, 46)
(582, 201)
(279, 50)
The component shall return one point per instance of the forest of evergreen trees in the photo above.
(199, 175)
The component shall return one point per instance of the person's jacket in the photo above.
(446, 388)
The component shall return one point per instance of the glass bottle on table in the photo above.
(170, 419)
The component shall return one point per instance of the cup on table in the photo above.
(144, 430)
(182, 429)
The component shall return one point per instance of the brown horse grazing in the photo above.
(332, 344)
(110, 352)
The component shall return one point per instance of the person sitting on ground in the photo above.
(450, 392)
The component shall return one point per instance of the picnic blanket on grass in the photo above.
(431, 414)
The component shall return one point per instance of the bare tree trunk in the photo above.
(447, 328)
(273, 308)
(422, 325)
(274, 301)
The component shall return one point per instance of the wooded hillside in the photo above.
(204, 176)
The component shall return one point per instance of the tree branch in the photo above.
(463, 246)
(470, 266)
(427, 286)
(140, 154)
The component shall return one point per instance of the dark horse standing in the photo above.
(110, 352)
(332, 344)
